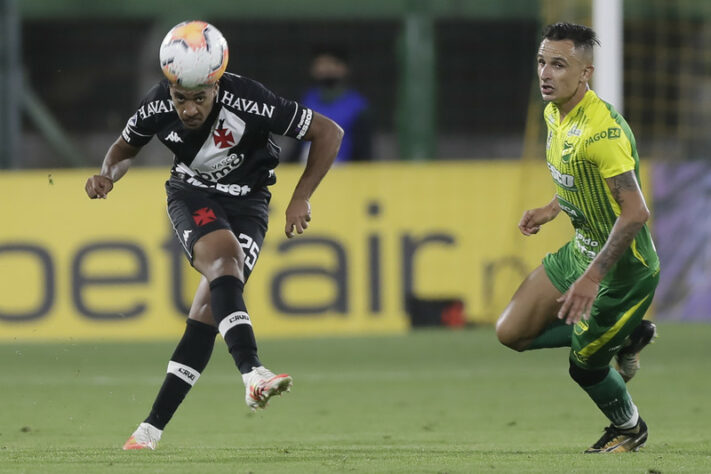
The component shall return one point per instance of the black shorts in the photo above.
(195, 213)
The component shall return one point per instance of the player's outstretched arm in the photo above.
(116, 163)
(578, 300)
(325, 136)
(533, 219)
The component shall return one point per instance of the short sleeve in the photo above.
(136, 133)
(284, 117)
(300, 121)
(143, 124)
(611, 151)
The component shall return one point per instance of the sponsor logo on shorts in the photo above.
(204, 216)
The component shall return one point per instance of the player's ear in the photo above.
(587, 73)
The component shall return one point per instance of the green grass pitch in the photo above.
(432, 401)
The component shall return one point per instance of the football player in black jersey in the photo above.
(218, 125)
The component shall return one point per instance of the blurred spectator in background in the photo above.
(332, 96)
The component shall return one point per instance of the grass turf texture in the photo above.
(434, 401)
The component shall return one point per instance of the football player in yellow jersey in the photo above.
(590, 295)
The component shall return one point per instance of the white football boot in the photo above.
(261, 384)
(146, 436)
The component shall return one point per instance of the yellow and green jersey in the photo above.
(592, 143)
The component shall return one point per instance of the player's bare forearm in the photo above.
(325, 136)
(116, 163)
(633, 215)
(118, 159)
(620, 239)
(553, 208)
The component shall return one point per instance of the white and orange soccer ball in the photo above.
(193, 54)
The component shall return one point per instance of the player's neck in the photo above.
(564, 108)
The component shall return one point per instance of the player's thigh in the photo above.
(194, 215)
(617, 311)
(249, 218)
(250, 232)
(532, 308)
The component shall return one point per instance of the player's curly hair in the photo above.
(581, 35)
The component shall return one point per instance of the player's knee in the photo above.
(509, 336)
(224, 265)
(202, 313)
(587, 377)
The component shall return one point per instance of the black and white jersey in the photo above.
(232, 153)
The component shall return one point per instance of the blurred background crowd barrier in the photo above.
(380, 235)
(457, 157)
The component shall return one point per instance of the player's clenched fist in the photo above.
(98, 186)
(529, 224)
(533, 219)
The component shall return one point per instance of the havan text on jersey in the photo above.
(155, 107)
(246, 105)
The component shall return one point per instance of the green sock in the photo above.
(612, 397)
(557, 334)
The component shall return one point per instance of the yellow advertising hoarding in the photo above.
(74, 268)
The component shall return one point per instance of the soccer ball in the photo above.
(193, 54)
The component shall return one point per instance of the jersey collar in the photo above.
(587, 98)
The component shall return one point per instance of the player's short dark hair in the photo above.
(582, 36)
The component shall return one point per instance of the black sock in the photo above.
(187, 363)
(232, 320)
